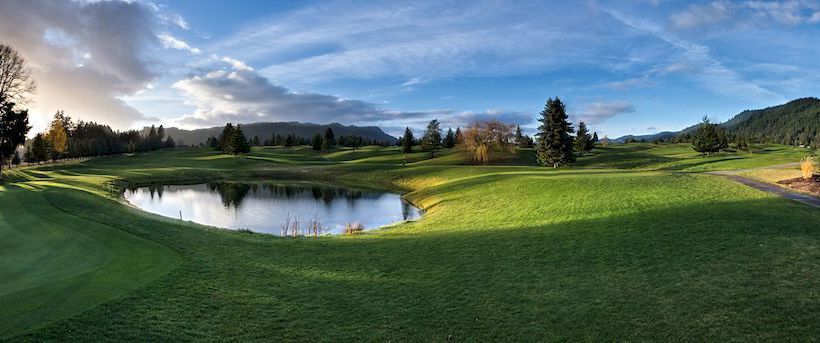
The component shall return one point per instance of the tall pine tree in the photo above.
(431, 141)
(449, 139)
(329, 140)
(317, 142)
(239, 143)
(554, 146)
(225, 139)
(407, 141)
(583, 141)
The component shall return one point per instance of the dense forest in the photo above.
(794, 123)
(67, 139)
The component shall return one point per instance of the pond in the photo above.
(287, 208)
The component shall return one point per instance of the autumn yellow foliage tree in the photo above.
(57, 138)
(487, 140)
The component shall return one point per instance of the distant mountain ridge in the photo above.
(648, 138)
(266, 130)
(795, 122)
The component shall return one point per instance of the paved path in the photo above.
(768, 187)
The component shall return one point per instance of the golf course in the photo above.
(632, 242)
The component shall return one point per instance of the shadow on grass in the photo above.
(708, 270)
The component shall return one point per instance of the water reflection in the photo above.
(274, 207)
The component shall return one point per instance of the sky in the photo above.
(623, 67)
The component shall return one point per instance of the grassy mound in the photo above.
(503, 253)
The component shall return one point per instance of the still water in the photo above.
(274, 207)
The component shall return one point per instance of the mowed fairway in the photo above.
(55, 264)
(503, 253)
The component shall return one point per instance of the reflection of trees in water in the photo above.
(406, 210)
(318, 193)
(152, 190)
(231, 193)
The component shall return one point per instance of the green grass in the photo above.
(681, 157)
(55, 264)
(508, 252)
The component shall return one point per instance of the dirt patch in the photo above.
(811, 186)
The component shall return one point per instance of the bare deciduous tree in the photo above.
(485, 140)
(15, 76)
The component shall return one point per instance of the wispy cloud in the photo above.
(789, 12)
(707, 70)
(171, 42)
(237, 64)
(698, 15)
(600, 111)
(420, 40)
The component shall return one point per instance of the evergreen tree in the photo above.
(741, 143)
(169, 143)
(431, 140)
(39, 148)
(458, 135)
(289, 141)
(225, 139)
(160, 138)
(330, 139)
(594, 138)
(354, 141)
(519, 136)
(152, 138)
(407, 141)
(583, 141)
(255, 141)
(239, 143)
(212, 142)
(554, 142)
(709, 138)
(449, 139)
(15, 160)
(318, 142)
(13, 129)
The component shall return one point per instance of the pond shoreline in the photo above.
(298, 207)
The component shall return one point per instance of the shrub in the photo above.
(353, 228)
(807, 167)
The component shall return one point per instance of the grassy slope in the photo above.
(681, 157)
(54, 264)
(504, 252)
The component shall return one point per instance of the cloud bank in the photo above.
(86, 55)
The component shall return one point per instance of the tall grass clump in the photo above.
(807, 167)
(353, 228)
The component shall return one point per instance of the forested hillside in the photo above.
(265, 131)
(795, 123)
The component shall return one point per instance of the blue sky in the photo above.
(625, 67)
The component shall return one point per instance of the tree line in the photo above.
(489, 140)
(65, 138)
(232, 143)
